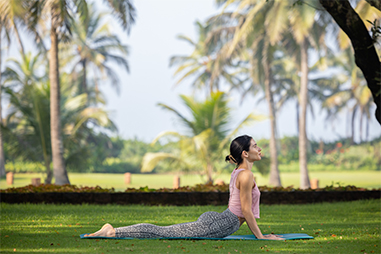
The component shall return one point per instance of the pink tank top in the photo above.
(235, 201)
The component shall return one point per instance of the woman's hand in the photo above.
(272, 237)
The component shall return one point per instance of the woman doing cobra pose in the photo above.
(243, 205)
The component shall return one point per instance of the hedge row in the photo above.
(183, 198)
(197, 188)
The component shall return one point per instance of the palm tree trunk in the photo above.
(2, 158)
(347, 125)
(274, 171)
(361, 118)
(353, 125)
(84, 81)
(304, 179)
(367, 129)
(49, 175)
(211, 87)
(59, 169)
(297, 117)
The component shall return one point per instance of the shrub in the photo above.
(197, 188)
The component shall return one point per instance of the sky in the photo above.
(152, 41)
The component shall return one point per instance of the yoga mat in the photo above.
(231, 237)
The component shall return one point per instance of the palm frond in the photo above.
(181, 117)
(150, 160)
(124, 11)
(168, 134)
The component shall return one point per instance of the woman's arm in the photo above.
(245, 183)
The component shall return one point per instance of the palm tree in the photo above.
(288, 82)
(2, 157)
(261, 73)
(60, 20)
(10, 11)
(305, 32)
(29, 118)
(206, 63)
(29, 106)
(260, 44)
(93, 46)
(83, 124)
(207, 134)
(29, 110)
(356, 97)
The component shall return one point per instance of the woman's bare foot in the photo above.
(107, 231)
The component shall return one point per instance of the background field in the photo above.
(366, 179)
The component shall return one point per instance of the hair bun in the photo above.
(231, 159)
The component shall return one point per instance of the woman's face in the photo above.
(254, 153)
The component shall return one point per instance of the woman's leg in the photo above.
(209, 224)
(106, 231)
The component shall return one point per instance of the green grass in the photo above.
(366, 179)
(345, 227)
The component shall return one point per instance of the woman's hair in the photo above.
(237, 146)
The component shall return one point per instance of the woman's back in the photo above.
(234, 199)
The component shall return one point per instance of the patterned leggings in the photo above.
(209, 224)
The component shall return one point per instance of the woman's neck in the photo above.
(245, 165)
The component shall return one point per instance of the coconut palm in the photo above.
(60, 21)
(259, 55)
(206, 136)
(2, 157)
(206, 63)
(83, 124)
(288, 83)
(29, 106)
(10, 11)
(351, 93)
(305, 32)
(92, 47)
(29, 118)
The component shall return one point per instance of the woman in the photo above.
(243, 205)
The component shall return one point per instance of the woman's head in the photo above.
(237, 146)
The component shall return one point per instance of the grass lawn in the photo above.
(367, 179)
(344, 227)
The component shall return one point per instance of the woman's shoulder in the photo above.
(245, 174)
(245, 178)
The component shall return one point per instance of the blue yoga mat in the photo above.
(231, 237)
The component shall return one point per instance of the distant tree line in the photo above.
(117, 155)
